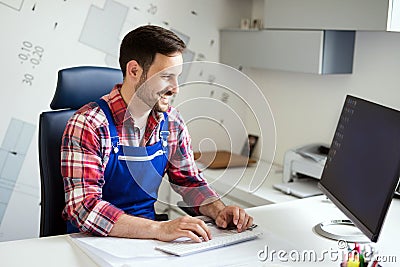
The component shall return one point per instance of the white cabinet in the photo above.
(315, 51)
(373, 15)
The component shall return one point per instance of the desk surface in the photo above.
(287, 226)
(253, 184)
(233, 185)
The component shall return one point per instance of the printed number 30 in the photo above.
(28, 79)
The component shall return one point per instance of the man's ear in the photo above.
(133, 70)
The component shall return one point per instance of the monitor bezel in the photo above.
(372, 234)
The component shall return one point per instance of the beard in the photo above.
(161, 108)
(143, 92)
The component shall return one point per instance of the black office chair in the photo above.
(75, 87)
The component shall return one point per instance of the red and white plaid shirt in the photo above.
(85, 150)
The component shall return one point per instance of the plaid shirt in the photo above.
(85, 150)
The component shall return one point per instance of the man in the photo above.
(116, 150)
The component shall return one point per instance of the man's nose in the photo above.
(174, 86)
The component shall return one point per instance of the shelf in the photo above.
(311, 51)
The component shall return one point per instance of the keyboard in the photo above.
(221, 238)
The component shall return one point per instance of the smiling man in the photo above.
(115, 151)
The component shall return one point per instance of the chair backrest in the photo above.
(75, 87)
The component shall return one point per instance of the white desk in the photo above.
(290, 222)
(293, 221)
(237, 183)
(233, 186)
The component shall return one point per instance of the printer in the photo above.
(302, 169)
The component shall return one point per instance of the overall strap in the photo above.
(164, 132)
(111, 126)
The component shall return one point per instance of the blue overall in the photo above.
(133, 174)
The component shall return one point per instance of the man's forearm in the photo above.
(135, 227)
(211, 208)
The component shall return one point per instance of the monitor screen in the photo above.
(363, 164)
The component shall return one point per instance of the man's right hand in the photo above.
(185, 226)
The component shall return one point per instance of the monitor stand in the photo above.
(341, 230)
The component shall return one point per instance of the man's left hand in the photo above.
(234, 216)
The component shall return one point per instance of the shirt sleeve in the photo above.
(184, 176)
(83, 174)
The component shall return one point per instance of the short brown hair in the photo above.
(143, 43)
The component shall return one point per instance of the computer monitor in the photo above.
(363, 165)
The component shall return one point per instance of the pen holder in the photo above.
(360, 257)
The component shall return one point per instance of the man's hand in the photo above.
(234, 216)
(186, 226)
(227, 216)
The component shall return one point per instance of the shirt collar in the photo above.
(117, 105)
(119, 109)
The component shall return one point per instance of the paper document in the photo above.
(113, 251)
(124, 252)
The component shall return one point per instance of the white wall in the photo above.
(306, 107)
(66, 33)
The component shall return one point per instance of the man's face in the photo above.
(161, 81)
